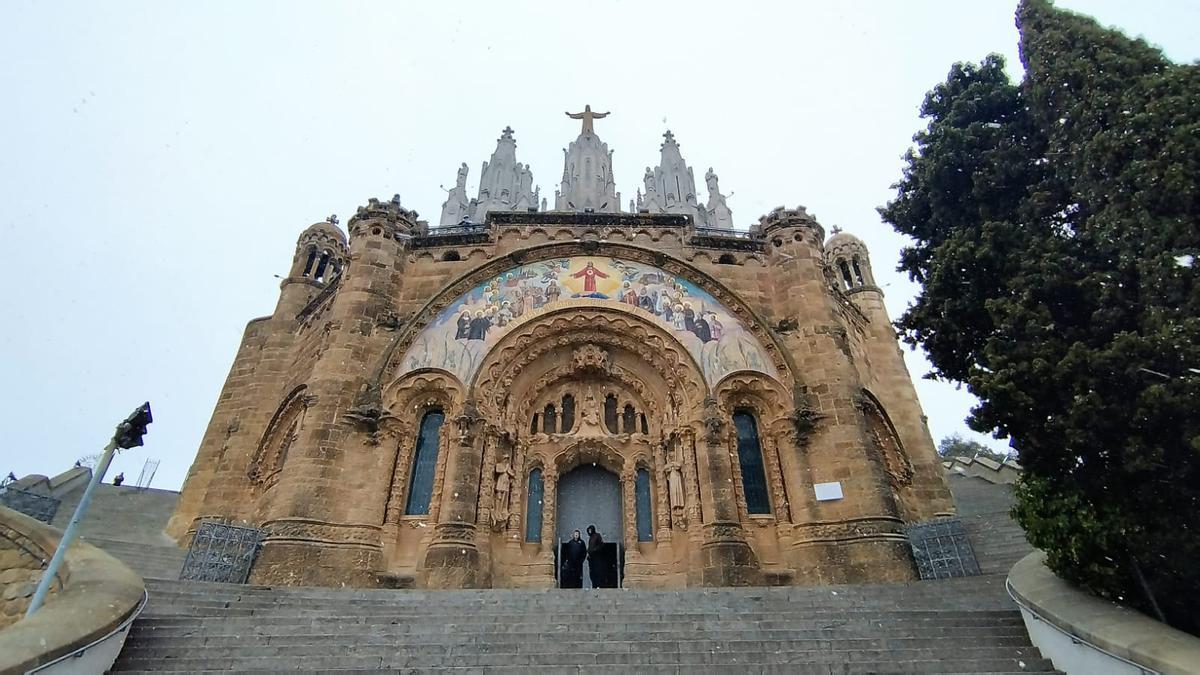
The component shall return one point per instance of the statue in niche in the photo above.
(674, 471)
(589, 417)
(504, 477)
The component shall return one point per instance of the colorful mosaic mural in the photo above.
(461, 335)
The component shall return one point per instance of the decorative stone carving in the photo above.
(589, 358)
(457, 207)
(719, 215)
(675, 491)
(587, 180)
(671, 186)
(504, 183)
(504, 477)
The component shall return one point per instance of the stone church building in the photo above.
(441, 406)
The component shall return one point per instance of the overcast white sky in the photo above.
(158, 159)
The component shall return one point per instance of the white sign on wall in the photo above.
(827, 492)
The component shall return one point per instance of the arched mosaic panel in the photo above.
(461, 335)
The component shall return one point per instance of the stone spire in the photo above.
(587, 182)
(671, 187)
(504, 185)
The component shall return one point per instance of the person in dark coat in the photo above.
(464, 326)
(596, 557)
(574, 552)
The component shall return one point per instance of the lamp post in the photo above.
(128, 435)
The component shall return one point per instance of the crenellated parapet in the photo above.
(781, 218)
(390, 218)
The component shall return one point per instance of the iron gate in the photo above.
(942, 550)
(30, 503)
(221, 552)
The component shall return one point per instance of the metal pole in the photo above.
(69, 534)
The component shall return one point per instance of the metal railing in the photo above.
(722, 233)
(41, 507)
(454, 230)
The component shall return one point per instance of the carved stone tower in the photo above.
(587, 180)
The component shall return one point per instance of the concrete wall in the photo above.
(95, 595)
(1090, 636)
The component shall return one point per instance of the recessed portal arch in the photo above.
(591, 495)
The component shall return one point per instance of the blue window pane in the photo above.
(641, 490)
(750, 459)
(533, 507)
(420, 488)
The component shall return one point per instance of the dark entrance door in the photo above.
(590, 495)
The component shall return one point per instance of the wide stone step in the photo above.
(574, 612)
(790, 669)
(814, 649)
(587, 621)
(869, 661)
(538, 643)
(975, 635)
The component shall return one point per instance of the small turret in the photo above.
(847, 256)
(320, 257)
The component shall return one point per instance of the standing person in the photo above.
(574, 552)
(595, 555)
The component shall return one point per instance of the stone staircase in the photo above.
(983, 507)
(960, 625)
(128, 523)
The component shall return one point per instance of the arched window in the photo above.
(846, 274)
(726, 259)
(281, 433)
(549, 419)
(642, 417)
(641, 492)
(420, 487)
(533, 506)
(533, 424)
(858, 275)
(312, 258)
(568, 413)
(887, 443)
(610, 413)
(319, 275)
(750, 459)
(451, 256)
(628, 419)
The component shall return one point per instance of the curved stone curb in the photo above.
(99, 593)
(1101, 636)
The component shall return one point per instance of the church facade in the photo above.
(440, 406)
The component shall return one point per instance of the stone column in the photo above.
(727, 559)
(452, 559)
(549, 506)
(629, 505)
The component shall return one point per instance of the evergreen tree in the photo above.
(955, 445)
(1055, 223)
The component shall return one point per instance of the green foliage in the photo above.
(955, 445)
(1052, 223)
